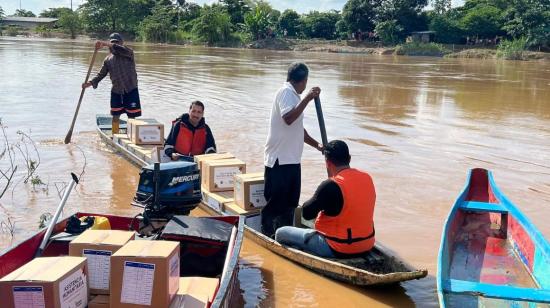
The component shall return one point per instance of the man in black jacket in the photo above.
(190, 135)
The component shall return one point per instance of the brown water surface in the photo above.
(416, 124)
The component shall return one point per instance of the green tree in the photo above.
(447, 29)
(214, 25)
(441, 6)
(320, 24)
(54, 12)
(24, 13)
(236, 9)
(103, 16)
(484, 21)
(1, 13)
(70, 23)
(529, 19)
(258, 20)
(360, 14)
(389, 31)
(407, 14)
(157, 26)
(289, 21)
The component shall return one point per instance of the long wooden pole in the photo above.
(70, 132)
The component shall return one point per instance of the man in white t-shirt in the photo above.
(283, 150)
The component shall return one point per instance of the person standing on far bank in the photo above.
(121, 67)
(283, 150)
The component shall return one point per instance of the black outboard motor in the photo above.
(177, 186)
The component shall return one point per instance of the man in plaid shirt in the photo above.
(121, 67)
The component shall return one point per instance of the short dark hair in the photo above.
(196, 103)
(297, 72)
(337, 152)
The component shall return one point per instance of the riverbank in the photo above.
(414, 49)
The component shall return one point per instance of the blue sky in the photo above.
(301, 6)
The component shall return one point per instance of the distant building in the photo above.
(422, 36)
(28, 22)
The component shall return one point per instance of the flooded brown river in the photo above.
(416, 124)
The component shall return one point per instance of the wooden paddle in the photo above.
(321, 119)
(56, 215)
(70, 132)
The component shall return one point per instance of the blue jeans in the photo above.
(307, 240)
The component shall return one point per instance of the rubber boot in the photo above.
(115, 125)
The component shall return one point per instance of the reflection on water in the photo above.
(416, 124)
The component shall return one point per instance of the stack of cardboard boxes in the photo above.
(107, 266)
(227, 187)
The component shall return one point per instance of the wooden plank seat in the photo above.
(474, 206)
(497, 291)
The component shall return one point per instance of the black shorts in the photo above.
(126, 103)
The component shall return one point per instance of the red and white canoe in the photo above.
(227, 295)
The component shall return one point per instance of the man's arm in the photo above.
(293, 114)
(121, 50)
(312, 142)
(328, 198)
(171, 140)
(210, 142)
(95, 81)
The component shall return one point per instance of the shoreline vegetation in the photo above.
(485, 29)
(351, 47)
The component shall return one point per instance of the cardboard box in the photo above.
(47, 282)
(98, 246)
(199, 159)
(249, 190)
(145, 274)
(216, 200)
(233, 209)
(100, 301)
(146, 131)
(195, 292)
(218, 175)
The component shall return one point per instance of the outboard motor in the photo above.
(167, 189)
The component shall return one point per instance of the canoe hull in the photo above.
(490, 253)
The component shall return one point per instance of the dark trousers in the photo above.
(282, 193)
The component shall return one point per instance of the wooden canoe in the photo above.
(227, 295)
(491, 255)
(376, 268)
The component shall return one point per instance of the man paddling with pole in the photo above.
(283, 150)
(121, 67)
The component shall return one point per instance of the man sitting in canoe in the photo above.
(190, 135)
(343, 207)
(121, 67)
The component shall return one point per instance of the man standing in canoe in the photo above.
(283, 150)
(343, 207)
(121, 67)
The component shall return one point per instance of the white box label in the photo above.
(73, 290)
(99, 267)
(28, 297)
(149, 134)
(256, 196)
(223, 176)
(174, 274)
(137, 283)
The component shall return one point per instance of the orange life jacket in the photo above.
(352, 231)
(189, 142)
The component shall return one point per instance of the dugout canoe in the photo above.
(228, 293)
(378, 267)
(491, 255)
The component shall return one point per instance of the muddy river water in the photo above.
(416, 124)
